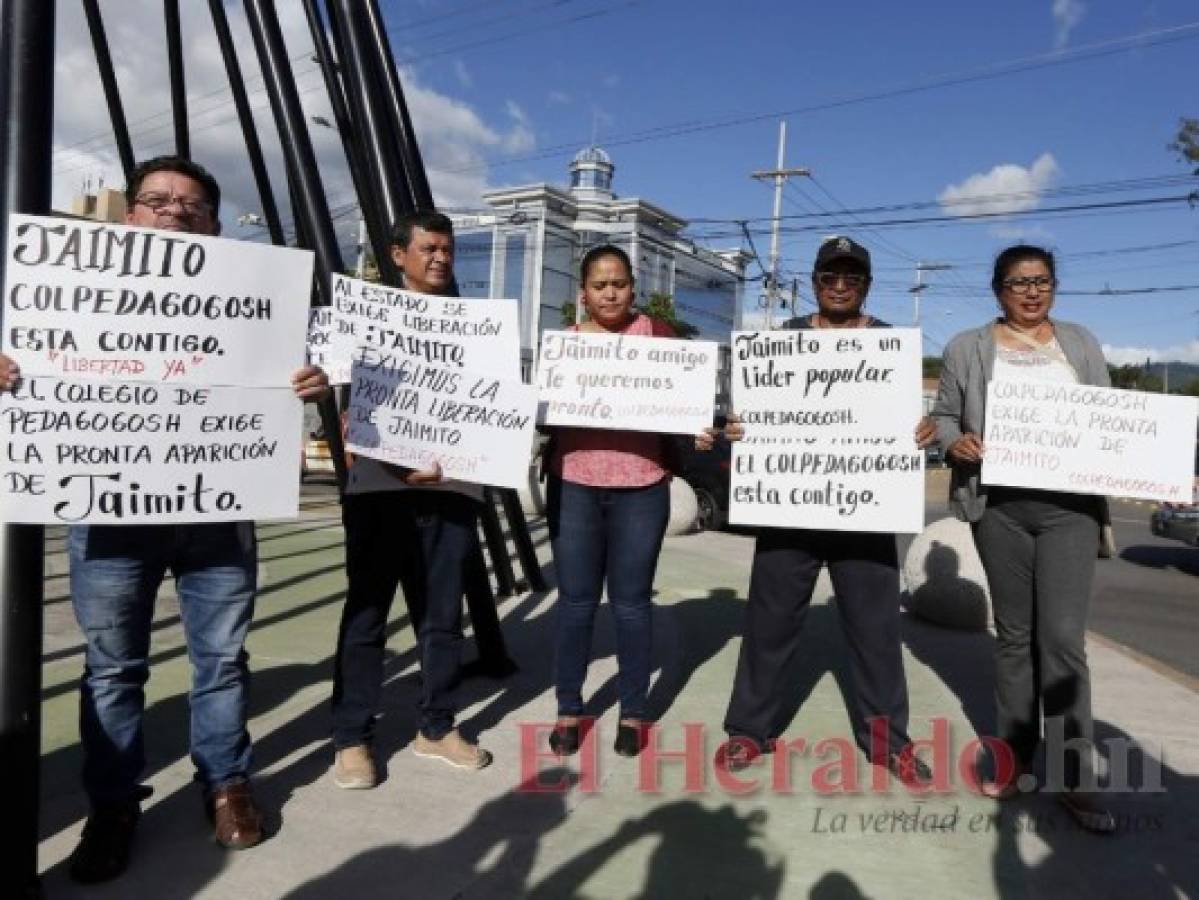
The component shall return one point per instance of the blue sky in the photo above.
(1089, 94)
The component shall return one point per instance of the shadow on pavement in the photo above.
(962, 660)
(1154, 855)
(699, 852)
(1180, 557)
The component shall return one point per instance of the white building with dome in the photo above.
(529, 242)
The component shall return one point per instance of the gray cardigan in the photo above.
(962, 394)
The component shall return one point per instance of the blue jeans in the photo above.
(611, 534)
(115, 574)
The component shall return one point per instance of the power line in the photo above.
(1110, 206)
(1096, 50)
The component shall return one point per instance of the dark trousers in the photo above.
(420, 539)
(1038, 549)
(863, 567)
(605, 534)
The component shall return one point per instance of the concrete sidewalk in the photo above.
(433, 832)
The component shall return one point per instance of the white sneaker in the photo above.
(354, 769)
(454, 749)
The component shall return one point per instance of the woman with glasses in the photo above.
(1038, 547)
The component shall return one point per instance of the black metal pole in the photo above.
(311, 205)
(170, 10)
(108, 79)
(525, 551)
(376, 228)
(497, 547)
(387, 177)
(237, 84)
(401, 122)
(27, 96)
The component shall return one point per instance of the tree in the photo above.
(1192, 388)
(1186, 142)
(661, 307)
(1126, 377)
(931, 366)
(568, 310)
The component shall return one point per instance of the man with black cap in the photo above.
(865, 574)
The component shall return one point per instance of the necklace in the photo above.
(1033, 333)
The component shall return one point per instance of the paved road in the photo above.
(1148, 598)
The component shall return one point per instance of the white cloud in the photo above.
(1124, 356)
(1066, 16)
(452, 134)
(464, 77)
(561, 98)
(1007, 188)
(520, 139)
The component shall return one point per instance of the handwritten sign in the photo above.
(1089, 440)
(626, 382)
(95, 300)
(142, 453)
(829, 419)
(841, 381)
(449, 331)
(407, 411)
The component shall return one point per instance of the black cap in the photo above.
(839, 247)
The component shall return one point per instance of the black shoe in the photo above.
(1088, 812)
(565, 739)
(103, 851)
(737, 753)
(630, 739)
(909, 768)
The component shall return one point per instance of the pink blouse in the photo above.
(602, 458)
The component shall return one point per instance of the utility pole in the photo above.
(919, 286)
(780, 176)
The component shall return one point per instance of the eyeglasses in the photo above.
(830, 279)
(1025, 285)
(159, 202)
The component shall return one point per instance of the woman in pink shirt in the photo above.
(608, 505)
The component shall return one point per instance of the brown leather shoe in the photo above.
(236, 819)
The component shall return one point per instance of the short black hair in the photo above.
(597, 253)
(192, 170)
(424, 219)
(1018, 253)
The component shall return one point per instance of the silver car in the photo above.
(1180, 522)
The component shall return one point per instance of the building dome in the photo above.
(591, 172)
(593, 154)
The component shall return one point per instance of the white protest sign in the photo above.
(842, 381)
(96, 300)
(626, 382)
(830, 416)
(140, 453)
(479, 428)
(1089, 440)
(838, 484)
(324, 332)
(462, 332)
